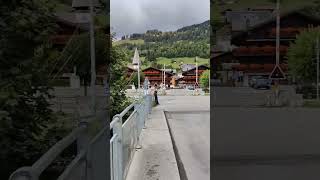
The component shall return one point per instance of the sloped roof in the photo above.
(273, 19)
(186, 67)
(129, 66)
(156, 70)
(196, 67)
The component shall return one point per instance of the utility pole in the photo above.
(278, 34)
(138, 75)
(196, 71)
(164, 75)
(93, 59)
(318, 68)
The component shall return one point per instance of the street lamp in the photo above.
(88, 5)
(317, 68)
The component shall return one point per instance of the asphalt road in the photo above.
(191, 133)
(263, 143)
(189, 121)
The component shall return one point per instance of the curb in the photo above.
(180, 166)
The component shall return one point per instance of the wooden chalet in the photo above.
(189, 77)
(255, 50)
(155, 76)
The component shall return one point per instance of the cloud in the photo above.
(137, 16)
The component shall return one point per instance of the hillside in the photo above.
(189, 41)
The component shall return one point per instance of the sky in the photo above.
(138, 16)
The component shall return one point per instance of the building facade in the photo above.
(156, 76)
(254, 51)
(190, 76)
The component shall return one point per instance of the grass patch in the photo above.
(129, 41)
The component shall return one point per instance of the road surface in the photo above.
(191, 134)
(189, 120)
(255, 143)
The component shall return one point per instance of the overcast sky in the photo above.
(137, 16)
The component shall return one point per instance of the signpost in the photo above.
(277, 72)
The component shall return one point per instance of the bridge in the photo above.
(142, 142)
(96, 154)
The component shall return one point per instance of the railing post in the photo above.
(138, 107)
(118, 130)
(82, 144)
(149, 103)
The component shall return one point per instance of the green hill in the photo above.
(189, 41)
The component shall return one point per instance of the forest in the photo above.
(189, 41)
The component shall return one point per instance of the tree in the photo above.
(117, 65)
(151, 56)
(25, 113)
(204, 79)
(301, 55)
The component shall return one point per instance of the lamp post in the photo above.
(317, 69)
(92, 59)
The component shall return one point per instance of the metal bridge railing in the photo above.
(92, 159)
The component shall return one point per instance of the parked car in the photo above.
(262, 84)
(254, 79)
(190, 87)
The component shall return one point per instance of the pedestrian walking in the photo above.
(155, 93)
(276, 91)
(149, 91)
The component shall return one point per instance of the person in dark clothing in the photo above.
(155, 93)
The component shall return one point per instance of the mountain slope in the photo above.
(189, 41)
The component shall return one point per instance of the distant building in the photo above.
(130, 70)
(155, 76)
(189, 76)
(255, 52)
(187, 67)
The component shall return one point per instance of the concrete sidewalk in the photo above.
(156, 159)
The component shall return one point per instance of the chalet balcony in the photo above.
(259, 51)
(258, 67)
(154, 78)
(190, 77)
(151, 73)
(286, 32)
